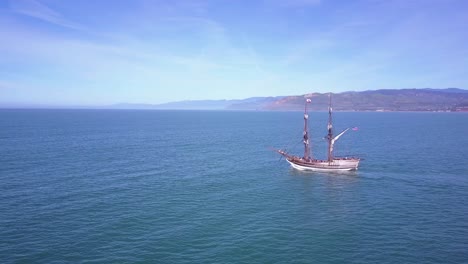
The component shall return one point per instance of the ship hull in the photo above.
(323, 166)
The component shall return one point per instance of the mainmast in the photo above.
(330, 130)
(306, 133)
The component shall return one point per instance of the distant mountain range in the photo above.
(426, 99)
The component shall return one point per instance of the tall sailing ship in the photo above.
(332, 163)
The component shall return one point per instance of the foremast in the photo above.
(307, 154)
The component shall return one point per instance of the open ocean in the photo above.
(136, 186)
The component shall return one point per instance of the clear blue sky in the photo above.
(97, 52)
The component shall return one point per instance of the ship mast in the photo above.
(307, 154)
(330, 130)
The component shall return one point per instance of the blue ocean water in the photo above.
(123, 186)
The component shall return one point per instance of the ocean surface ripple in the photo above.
(203, 187)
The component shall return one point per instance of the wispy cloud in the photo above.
(123, 62)
(157, 51)
(4, 85)
(38, 10)
(293, 3)
(253, 54)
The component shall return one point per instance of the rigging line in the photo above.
(289, 146)
(281, 157)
